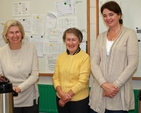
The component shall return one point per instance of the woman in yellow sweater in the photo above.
(71, 76)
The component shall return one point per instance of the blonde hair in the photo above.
(10, 23)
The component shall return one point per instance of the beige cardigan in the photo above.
(118, 68)
(25, 76)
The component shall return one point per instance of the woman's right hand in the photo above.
(110, 90)
(66, 98)
(63, 95)
(1, 78)
(62, 103)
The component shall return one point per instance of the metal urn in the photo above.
(6, 95)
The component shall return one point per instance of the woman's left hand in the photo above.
(110, 90)
(17, 89)
(62, 103)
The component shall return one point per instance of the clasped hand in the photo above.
(65, 97)
(110, 90)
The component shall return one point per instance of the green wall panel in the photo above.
(47, 99)
(136, 92)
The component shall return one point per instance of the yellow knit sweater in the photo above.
(72, 72)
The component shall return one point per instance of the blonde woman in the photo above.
(19, 63)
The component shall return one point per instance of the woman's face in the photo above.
(72, 42)
(14, 35)
(110, 18)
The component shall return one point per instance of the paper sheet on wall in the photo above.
(20, 8)
(83, 46)
(54, 34)
(38, 24)
(73, 2)
(26, 22)
(138, 32)
(84, 32)
(65, 7)
(51, 20)
(52, 47)
(51, 62)
(38, 42)
(66, 22)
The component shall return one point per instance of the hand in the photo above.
(64, 96)
(17, 89)
(62, 103)
(107, 95)
(110, 90)
(1, 78)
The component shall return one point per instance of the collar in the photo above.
(77, 51)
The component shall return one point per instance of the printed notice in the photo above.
(20, 8)
(65, 7)
(51, 62)
(66, 22)
(38, 24)
(38, 42)
(52, 47)
(26, 22)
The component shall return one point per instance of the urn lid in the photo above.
(5, 85)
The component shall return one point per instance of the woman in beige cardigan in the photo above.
(114, 61)
(19, 63)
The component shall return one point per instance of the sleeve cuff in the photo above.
(118, 83)
(101, 81)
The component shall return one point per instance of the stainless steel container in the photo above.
(6, 96)
(6, 103)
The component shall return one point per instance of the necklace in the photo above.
(16, 55)
(113, 35)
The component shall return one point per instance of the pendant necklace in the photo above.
(16, 55)
(114, 36)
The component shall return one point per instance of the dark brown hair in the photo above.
(113, 6)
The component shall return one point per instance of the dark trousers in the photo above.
(31, 109)
(110, 111)
(74, 106)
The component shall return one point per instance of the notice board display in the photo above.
(44, 22)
